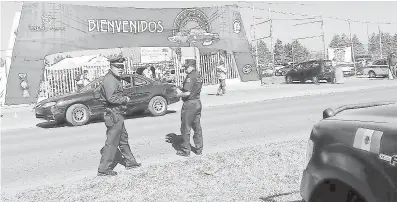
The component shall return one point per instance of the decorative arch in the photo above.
(192, 14)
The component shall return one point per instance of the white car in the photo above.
(379, 68)
(347, 68)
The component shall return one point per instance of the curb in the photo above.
(310, 93)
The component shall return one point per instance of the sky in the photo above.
(282, 26)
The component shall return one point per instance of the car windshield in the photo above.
(91, 86)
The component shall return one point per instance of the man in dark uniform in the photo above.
(191, 110)
(116, 134)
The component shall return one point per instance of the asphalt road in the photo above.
(37, 156)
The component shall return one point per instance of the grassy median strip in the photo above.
(267, 172)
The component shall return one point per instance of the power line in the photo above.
(329, 17)
(335, 18)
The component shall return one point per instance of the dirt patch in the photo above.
(268, 172)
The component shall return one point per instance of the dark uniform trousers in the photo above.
(190, 119)
(116, 137)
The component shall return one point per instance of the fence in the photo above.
(207, 63)
(60, 82)
(208, 68)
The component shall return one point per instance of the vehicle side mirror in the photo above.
(328, 113)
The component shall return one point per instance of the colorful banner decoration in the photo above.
(24, 84)
(42, 33)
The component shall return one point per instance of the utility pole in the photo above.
(254, 37)
(352, 47)
(368, 38)
(256, 44)
(322, 34)
(380, 41)
(271, 38)
(293, 55)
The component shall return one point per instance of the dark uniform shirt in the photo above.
(112, 91)
(193, 84)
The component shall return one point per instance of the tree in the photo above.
(317, 55)
(358, 47)
(288, 53)
(301, 53)
(335, 41)
(388, 45)
(345, 41)
(296, 52)
(340, 41)
(279, 55)
(264, 55)
(374, 45)
(395, 43)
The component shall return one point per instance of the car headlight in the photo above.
(309, 150)
(49, 104)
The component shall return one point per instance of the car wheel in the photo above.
(372, 74)
(158, 106)
(78, 115)
(336, 192)
(288, 79)
(315, 79)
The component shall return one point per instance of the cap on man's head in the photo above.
(190, 62)
(117, 62)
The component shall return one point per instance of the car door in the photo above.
(304, 72)
(383, 67)
(378, 67)
(128, 90)
(142, 92)
(293, 72)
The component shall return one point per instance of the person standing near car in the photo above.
(392, 62)
(338, 72)
(117, 148)
(191, 110)
(221, 74)
(147, 72)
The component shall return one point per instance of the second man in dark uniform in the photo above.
(191, 110)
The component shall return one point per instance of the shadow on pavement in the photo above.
(271, 197)
(176, 141)
(54, 124)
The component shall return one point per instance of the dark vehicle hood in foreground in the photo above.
(379, 114)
